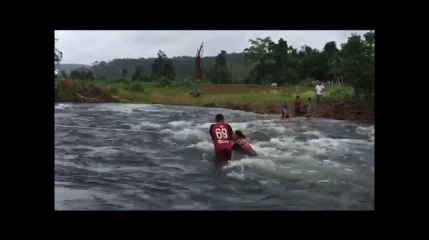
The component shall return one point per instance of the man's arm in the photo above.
(230, 132)
(211, 133)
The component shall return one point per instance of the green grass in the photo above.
(178, 93)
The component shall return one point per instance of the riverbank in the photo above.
(250, 98)
(347, 110)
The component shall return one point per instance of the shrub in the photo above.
(163, 82)
(310, 82)
(136, 87)
(121, 80)
(113, 90)
(342, 93)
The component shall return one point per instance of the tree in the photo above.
(74, 74)
(291, 76)
(280, 53)
(157, 65)
(222, 73)
(199, 63)
(330, 49)
(168, 69)
(311, 64)
(58, 55)
(124, 72)
(63, 74)
(259, 51)
(369, 43)
(90, 75)
(138, 73)
(163, 67)
(274, 61)
(331, 62)
(357, 63)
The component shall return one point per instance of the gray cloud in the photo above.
(86, 47)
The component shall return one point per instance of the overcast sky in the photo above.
(86, 47)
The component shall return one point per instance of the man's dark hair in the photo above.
(297, 97)
(219, 117)
(240, 134)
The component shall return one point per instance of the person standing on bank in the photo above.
(319, 91)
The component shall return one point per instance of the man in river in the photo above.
(241, 144)
(285, 113)
(309, 105)
(221, 133)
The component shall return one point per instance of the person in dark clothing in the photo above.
(298, 106)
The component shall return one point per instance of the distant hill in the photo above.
(70, 67)
(185, 67)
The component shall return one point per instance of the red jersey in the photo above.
(221, 135)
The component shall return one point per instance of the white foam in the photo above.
(239, 126)
(259, 163)
(316, 133)
(324, 142)
(104, 150)
(277, 140)
(264, 150)
(296, 171)
(355, 141)
(177, 124)
(336, 144)
(167, 130)
(331, 163)
(236, 175)
(323, 181)
(149, 124)
(349, 170)
(277, 129)
(368, 131)
(63, 106)
(124, 108)
(202, 145)
(320, 150)
(70, 157)
(182, 134)
(205, 125)
(268, 182)
(141, 149)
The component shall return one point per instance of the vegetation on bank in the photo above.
(264, 62)
(347, 73)
(178, 93)
(338, 102)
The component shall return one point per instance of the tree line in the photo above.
(263, 62)
(284, 64)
